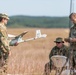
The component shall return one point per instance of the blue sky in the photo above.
(36, 7)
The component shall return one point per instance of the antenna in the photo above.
(71, 6)
(71, 10)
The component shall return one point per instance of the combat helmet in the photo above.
(59, 39)
(3, 15)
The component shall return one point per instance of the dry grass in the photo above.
(30, 57)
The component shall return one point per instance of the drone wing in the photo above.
(21, 35)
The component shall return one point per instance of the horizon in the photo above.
(36, 16)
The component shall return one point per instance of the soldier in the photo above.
(72, 41)
(4, 43)
(59, 49)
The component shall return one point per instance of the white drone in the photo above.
(19, 39)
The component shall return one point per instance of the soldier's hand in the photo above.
(16, 44)
(9, 53)
(66, 39)
(72, 39)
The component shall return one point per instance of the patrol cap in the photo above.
(3, 15)
(59, 39)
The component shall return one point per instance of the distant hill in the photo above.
(38, 21)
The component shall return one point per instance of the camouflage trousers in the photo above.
(72, 58)
(48, 68)
(3, 64)
(3, 67)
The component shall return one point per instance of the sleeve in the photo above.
(70, 33)
(66, 51)
(51, 54)
(4, 40)
(71, 28)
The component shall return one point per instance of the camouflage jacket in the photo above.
(72, 34)
(4, 43)
(59, 51)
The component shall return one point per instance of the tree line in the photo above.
(38, 21)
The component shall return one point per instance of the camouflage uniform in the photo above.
(4, 46)
(72, 48)
(72, 41)
(56, 51)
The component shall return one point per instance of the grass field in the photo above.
(29, 58)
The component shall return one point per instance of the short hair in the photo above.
(1, 19)
(71, 15)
